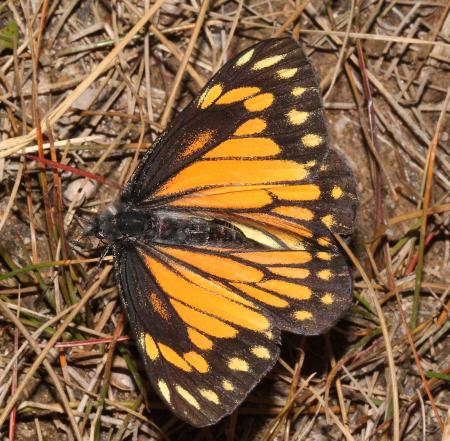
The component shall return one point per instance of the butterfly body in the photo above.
(120, 223)
(223, 237)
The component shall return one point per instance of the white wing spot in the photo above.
(238, 364)
(164, 389)
(303, 315)
(312, 140)
(296, 117)
(267, 62)
(209, 395)
(286, 73)
(187, 396)
(261, 352)
(297, 91)
(245, 58)
(227, 385)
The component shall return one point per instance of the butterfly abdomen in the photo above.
(167, 227)
(173, 228)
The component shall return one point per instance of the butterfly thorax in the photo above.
(122, 223)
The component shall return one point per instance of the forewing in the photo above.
(204, 346)
(259, 121)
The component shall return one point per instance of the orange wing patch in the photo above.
(307, 192)
(270, 257)
(262, 296)
(203, 322)
(287, 289)
(197, 361)
(217, 265)
(210, 95)
(159, 307)
(290, 272)
(199, 340)
(208, 298)
(238, 94)
(244, 148)
(247, 199)
(172, 357)
(295, 212)
(259, 102)
(251, 127)
(233, 172)
(200, 140)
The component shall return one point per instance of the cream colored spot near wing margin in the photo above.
(187, 396)
(328, 220)
(297, 91)
(325, 274)
(227, 385)
(312, 140)
(286, 73)
(261, 352)
(337, 192)
(243, 59)
(150, 346)
(327, 299)
(267, 62)
(210, 395)
(303, 315)
(297, 117)
(164, 389)
(238, 364)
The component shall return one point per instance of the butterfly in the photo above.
(223, 236)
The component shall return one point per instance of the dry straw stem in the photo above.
(184, 62)
(386, 337)
(409, 336)
(363, 36)
(56, 336)
(435, 33)
(393, 101)
(344, 430)
(47, 365)
(426, 203)
(13, 145)
(341, 52)
(12, 196)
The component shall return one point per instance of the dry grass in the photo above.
(90, 84)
